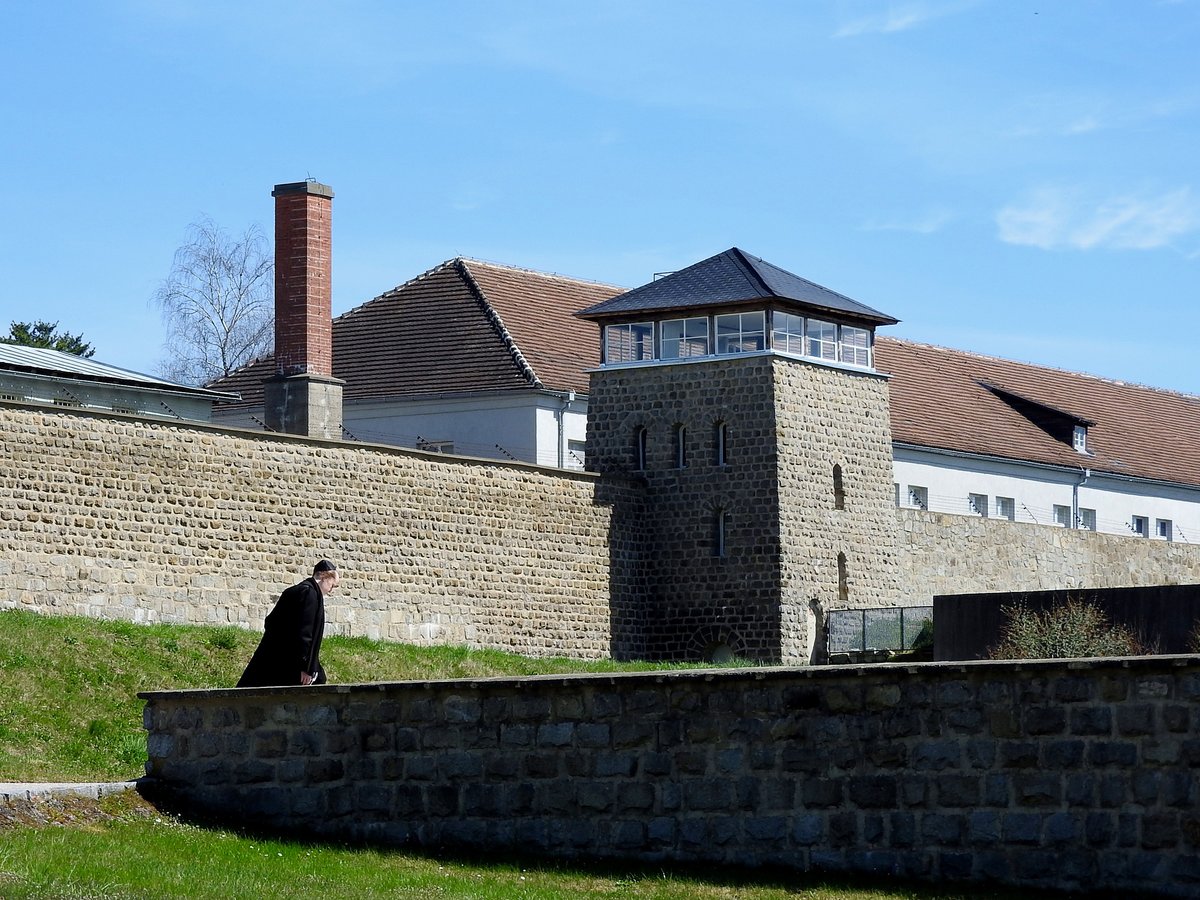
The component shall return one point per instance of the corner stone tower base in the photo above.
(767, 500)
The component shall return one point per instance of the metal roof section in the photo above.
(732, 277)
(57, 364)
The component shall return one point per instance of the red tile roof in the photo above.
(463, 326)
(953, 400)
(467, 326)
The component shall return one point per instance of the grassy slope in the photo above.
(69, 711)
(68, 686)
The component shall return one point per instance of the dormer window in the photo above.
(1080, 439)
(681, 338)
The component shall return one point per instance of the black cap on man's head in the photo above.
(324, 566)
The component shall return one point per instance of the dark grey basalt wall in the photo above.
(1058, 774)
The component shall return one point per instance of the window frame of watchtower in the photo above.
(694, 338)
(812, 334)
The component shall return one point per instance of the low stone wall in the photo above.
(947, 554)
(113, 517)
(1069, 775)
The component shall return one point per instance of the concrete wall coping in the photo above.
(758, 673)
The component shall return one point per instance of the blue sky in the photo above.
(1007, 177)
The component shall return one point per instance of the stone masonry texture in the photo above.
(120, 518)
(793, 548)
(1072, 775)
(117, 517)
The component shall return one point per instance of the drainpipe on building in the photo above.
(568, 398)
(1087, 473)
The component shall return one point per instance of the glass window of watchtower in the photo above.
(822, 339)
(631, 342)
(740, 332)
(856, 346)
(683, 338)
(787, 333)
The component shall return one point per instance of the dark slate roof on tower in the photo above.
(731, 278)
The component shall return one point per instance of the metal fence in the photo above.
(896, 628)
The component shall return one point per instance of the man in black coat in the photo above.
(289, 652)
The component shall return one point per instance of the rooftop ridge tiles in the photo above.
(470, 260)
(808, 281)
(1116, 382)
(493, 316)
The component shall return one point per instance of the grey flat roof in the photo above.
(55, 363)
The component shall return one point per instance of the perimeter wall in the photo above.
(1075, 775)
(947, 554)
(113, 516)
(119, 517)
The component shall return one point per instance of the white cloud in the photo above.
(1055, 218)
(899, 17)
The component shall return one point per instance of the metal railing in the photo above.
(894, 628)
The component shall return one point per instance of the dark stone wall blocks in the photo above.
(1079, 786)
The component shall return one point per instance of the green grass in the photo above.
(68, 685)
(69, 712)
(133, 851)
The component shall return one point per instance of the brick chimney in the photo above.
(303, 397)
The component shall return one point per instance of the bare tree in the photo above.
(217, 303)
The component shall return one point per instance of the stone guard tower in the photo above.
(745, 399)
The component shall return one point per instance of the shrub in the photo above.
(1074, 629)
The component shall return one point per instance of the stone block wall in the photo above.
(701, 598)
(836, 508)
(1076, 775)
(946, 554)
(117, 517)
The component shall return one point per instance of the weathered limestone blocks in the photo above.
(947, 554)
(112, 517)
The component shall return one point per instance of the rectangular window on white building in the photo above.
(1140, 526)
(1164, 529)
(576, 454)
(681, 338)
(1087, 519)
(856, 346)
(629, 342)
(1006, 508)
(918, 496)
(740, 332)
(978, 504)
(1062, 515)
